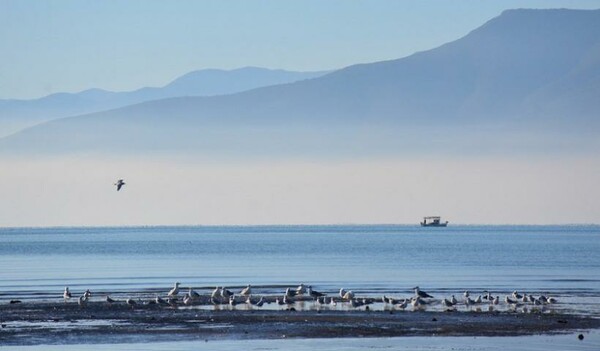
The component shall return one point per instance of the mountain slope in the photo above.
(522, 80)
(17, 114)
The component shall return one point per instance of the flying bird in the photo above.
(119, 184)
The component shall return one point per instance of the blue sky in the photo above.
(55, 46)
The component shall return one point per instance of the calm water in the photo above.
(563, 261)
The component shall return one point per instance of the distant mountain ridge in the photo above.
(16, 114)
(523, 79)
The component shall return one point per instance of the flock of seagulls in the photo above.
(421, 299)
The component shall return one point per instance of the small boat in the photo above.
(433, 221)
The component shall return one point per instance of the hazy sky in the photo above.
(79, 191)
(54, 46)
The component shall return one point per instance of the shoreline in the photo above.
(98, 322)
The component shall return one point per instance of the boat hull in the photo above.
(434, 224)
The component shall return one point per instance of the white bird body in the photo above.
(187, 299)
(87, 294)
(404, 304)
(301, 290)
(496, 300)
(246, 291)
(174, 291)
(82, 301)
(349, 295)
(67, 294)
(415, 302)
(216, 292)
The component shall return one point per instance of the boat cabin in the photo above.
(433, 221)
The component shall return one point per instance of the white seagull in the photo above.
(216, 292)
(301, 290)
(82, 301)
(246, 291)
(349, 295)
(66, 294)
(175, 290)
(187, 300)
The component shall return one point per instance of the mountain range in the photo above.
(527, 79)
(17, 114)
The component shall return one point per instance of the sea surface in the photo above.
(371, 260)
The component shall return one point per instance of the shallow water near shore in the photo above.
(560, 261)
(563, 342)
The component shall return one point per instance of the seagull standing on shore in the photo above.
(349, 295)
(403, 304)
(193, 295)
(66, 294)
(131, 302)
(314, 293)
(226, 294)
(216, 293)
(119, 184)
(109, 300)
(246, 291)
(301, 290)
(82, 301)
(421, 294)
(175, 290)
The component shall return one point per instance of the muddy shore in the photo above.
(98, 322)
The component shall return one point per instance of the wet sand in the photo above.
(67, 323)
